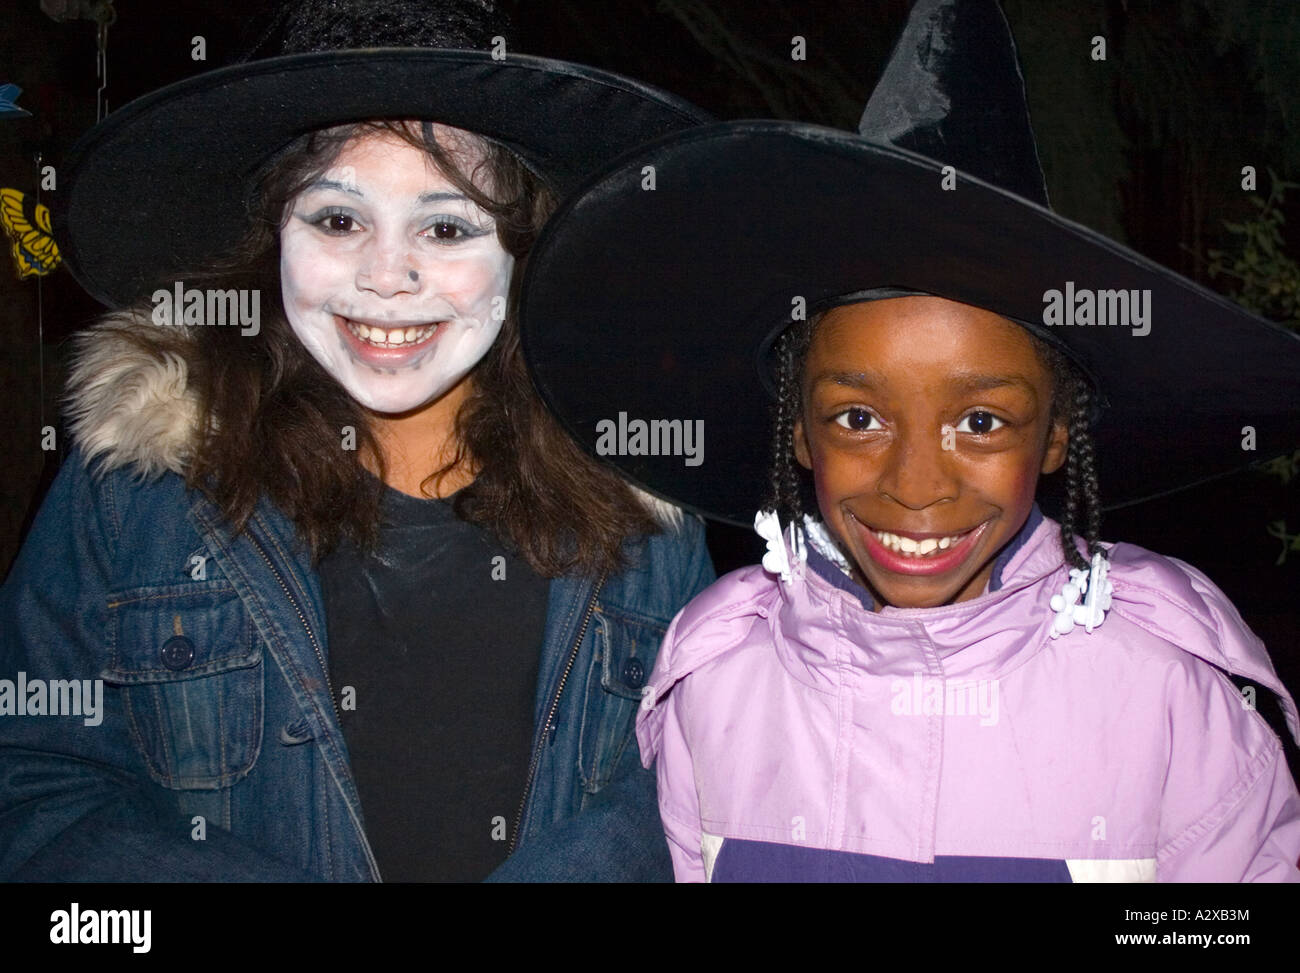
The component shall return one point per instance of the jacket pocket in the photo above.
(190, 671)
(625, 649)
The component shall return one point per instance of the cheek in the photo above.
(307, 273)
(830, 467)
(1021, 481)
(832, 475)
(474, 281)
(818, 467)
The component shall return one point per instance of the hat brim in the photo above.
(161, 185)
(655, 304)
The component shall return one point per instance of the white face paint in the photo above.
(389, 273)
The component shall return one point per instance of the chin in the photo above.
(402, 392)
(390, 404)
(400, 407)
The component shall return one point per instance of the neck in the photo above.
(418, 443)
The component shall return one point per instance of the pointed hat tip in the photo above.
(952, 90)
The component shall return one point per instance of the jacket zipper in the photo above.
(320, 657)
(550, 715)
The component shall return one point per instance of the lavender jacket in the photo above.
(802, 736)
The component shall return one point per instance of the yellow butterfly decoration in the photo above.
(33, 248)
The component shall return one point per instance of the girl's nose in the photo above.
(391, 270)
(919, 472)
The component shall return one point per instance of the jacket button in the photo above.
(177, 652)
(633, 673)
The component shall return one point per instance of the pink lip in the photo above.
(938, 563)
(378, 357)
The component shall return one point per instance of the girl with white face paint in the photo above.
(392, 278)
(396, 281)
(361, 602)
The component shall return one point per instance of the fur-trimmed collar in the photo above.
(129, 405)
(128, 402)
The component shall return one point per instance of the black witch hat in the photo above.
(942, 194)
(164, 184)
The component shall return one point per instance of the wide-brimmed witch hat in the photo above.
(163, 184)
(645, 304)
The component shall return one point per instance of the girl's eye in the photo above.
(450, 228)
(980, 423)
(446, 230)
(333, 222)
(857, 420)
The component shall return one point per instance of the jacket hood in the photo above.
(129, 404)
(811, 615)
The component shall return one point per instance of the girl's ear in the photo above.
(801, 445)
(1058, 447)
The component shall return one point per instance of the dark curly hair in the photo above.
(1072, 402)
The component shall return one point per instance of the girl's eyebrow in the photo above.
(437, 196)
(334, 184)
(442, 197)
(974, 382)
(856, 380)
(962, 381)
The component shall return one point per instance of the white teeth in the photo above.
(913, 548)
(390, 337)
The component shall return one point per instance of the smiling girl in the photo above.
(386, 267)
(360, 607)
(922, 517)
(927, 679)
(395, 281)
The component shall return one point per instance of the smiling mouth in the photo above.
(924, 547)
(919, 554)
(396, 337)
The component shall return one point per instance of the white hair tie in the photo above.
(1092, 612)
(777, 559)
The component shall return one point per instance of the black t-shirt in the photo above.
(433, 653)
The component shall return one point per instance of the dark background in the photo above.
(1146, 146)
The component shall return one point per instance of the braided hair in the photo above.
(1072, 400)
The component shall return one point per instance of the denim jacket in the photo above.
(218, 754)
